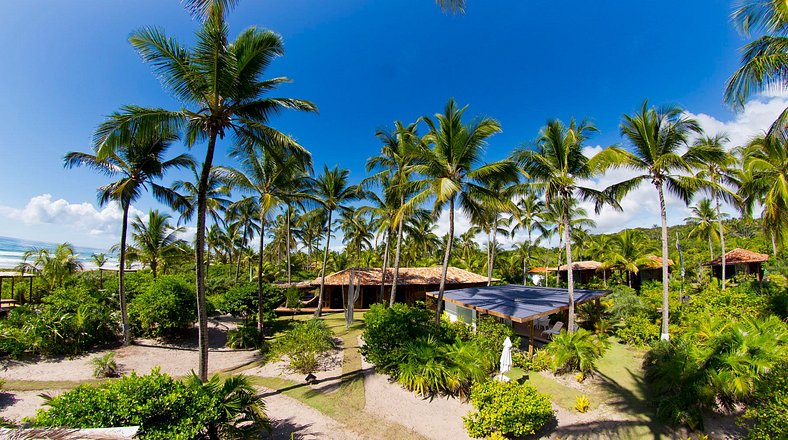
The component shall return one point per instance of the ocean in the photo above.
(12, 249)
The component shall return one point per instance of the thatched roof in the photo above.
(739, 256)
(653, 262)
(13, 274)
(582, 265)
(541, 269)
(407, 276)
(298, 285)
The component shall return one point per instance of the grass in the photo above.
(346, 404)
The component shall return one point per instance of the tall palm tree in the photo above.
(54, 266)
(656, 137)
(527, 216)
(600, 248)
(245, 214)
(395, 167)
(332, 192)
(702, 219)
(765, 181)
(383, 209)
(156, 239)
(136, 157)
(452, 6)
(628, 249)
(357, 233)
(100, 259)
(723, 173)
(222, 91)
(557, 166)
(217, 196)
(452, 172)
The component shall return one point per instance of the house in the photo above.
(650, 269)
(582, 271)
(739, 262)
(412, 284)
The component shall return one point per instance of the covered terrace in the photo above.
(519, 306)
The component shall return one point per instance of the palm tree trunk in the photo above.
(260, 311)
(124, 315)
(528, 259)
(711, 248)
(774, 243)
(319, 309)
(289, 271)
(489, 259)
(397, 253)
(240, 253)
(202, 312)
(570, 276)
(665, 292)
(446, 255)
(153, 266)
(385, 266)
(558, 265)
(722, 237)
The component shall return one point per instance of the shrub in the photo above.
(541, 360)
(389, 329)
(490, 335)
(433, 367)
(105, 366)
(507, 408)
(639, 330)
(240, 301)
(245, 335)
(582, 404)
(304, 343)
(626, 302)
(575, 351)
(767, 413)
(167, 306)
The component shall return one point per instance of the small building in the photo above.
(516, 305)
(412, 284)
(739, 262)
(582, 271)
(650, 269)
(538, 273)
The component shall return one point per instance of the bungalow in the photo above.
(412, 284)
(739, 262)
(582, 271)
(650, 269)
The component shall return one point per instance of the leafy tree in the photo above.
(222, 90)
(628, 249)
(54, 266)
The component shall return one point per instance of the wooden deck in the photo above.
(304, 310)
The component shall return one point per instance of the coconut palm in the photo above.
(310, 228)
(724, 175)
(656, 137)
(383, 209)
(628, 252)
(155, 240)
(452, 172)
(765, 181)
(244, 213)
(222, 92)
(453, 6)
(556, 165)
(600, 248)
(394, 165)
(357, 233)
(702, 220)
(527, 216)
(216, 196)
(239, 407)
(332, 192)
(54, 266)
(100, 259)
(137, 157)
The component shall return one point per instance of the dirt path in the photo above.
(20, 404)
(291, 417)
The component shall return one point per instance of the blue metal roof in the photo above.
(518, 303)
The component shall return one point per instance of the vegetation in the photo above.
(105, 366)
(582, 404)
(767, 412)
(507, 408)
(575, 351)
(304, 344)
(166, 307)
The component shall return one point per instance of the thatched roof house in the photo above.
(649, 269)
(412, 285)
(738, 262)
(583, 271)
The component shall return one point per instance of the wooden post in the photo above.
(13, 291)
(596, 306)
(30, 292)
(530, 338)
(1, 292)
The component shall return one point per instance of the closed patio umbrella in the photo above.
(506, 359)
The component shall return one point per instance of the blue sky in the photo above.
(365, 64)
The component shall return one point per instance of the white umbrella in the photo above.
(506, 358)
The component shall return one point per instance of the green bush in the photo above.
(506, 408)
(639, 329)
(767, 413)
(388, 330)
(163, 408)
(625, 302)
(241, 301)
(433, 367)
(245, 335)
(167, 306)
(490, 335)
(575, 351)
(304, 343)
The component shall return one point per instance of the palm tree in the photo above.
(657, 136)
(357, 231)
(240, 409)
(765, 181)
(222, 90)
(384, 210)
(627, 252)
(54, 266)
(557, 166)
(332, 192)
(453, 6)
(245, 214)
(527, 216)
(722, 173)
(395, 164)
(156, 239)
(453, 173)
(137, 158)
(703, 218)
(100, 259)
(600, 248)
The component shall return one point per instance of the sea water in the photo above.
(12, 250)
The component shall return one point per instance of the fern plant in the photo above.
(575, 351)
(105, 366)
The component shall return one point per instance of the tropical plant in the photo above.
(628, 248)
(246, 335)
(556, 165)
(239, 409)
(433, 367)
(54, 266)
(105, 366)
(765, 415)
(507, 408)
(387, 330)
(703, 220)
(453, 174)
(582, 404)
(575, 351)
(332, 192)
(156, 240)
(217, 196)
(136, 155)
(100, 259)
(304, 343)
(222, 90)
(165, 307)
(528, 216)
